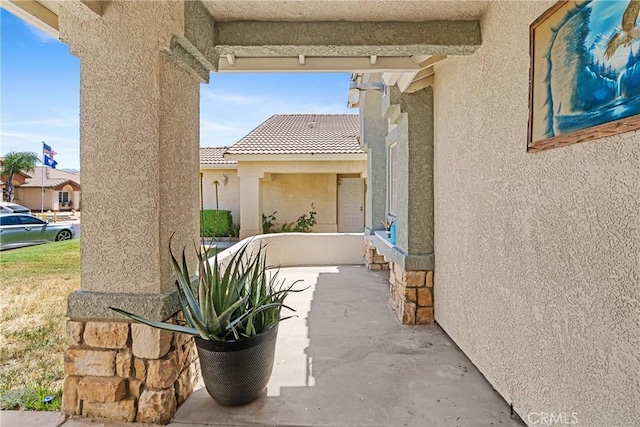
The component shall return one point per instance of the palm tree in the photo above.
(14, 163)
(216, 183)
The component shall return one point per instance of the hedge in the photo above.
(215, 223)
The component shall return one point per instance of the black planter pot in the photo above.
(237, 372)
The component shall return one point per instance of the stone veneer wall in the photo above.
(373, 260)
(127, 371)
(411, 295)
(411, 291)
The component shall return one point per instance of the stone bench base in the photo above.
(411, 291)
(126, 372)
(411, 295)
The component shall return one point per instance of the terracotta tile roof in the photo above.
(213, 156)
(303, 134)
(52, 177)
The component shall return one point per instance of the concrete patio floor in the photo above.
(346, 361)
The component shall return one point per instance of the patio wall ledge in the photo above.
(295, 249)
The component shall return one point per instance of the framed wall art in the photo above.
(585, 72)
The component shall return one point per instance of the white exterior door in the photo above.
(350, 205)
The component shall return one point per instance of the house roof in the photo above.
(302, 134)
(52, 178)
(213, 156)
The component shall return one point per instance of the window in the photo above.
(30, 220)
(63, 196)
(392, 179)
(9, 220)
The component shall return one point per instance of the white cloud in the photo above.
(36, 136)
(215, 133)
(213, 126)
(71, 121)
(208, 93)
(226, 117)
(38, 34)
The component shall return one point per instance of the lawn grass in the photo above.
(34, 284)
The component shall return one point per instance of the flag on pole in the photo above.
(47, 156)
(47, 150)
(48, 161)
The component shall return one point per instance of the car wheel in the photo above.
(63, 235)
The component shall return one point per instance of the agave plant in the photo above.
(238, 301)
(387, 222)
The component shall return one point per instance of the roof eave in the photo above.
(219, 166)
(336, 157)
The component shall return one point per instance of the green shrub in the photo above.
(235, 230)
(303, 224)
(267, 223)
(215, 223)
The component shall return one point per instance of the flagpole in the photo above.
(42, 192)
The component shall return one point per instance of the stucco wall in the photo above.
(291, 195)
(291, 249)
(32, 198)
(139, 111)
(228, 195)
(537, 255)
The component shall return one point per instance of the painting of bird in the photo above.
(629, 32)
(586, 67)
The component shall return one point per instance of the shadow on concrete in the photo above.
(346, 361)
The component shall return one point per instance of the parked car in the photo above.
(18, 230)
(8, 207)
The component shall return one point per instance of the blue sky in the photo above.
(39, 96)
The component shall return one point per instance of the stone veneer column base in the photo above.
(373, 260)
(411, 295)
(126, 371)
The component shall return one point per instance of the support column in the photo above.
(139, 134)
(250, 204)
(373, 130)
(411, 278)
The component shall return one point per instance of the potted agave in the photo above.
(232, 311)
(387, 222)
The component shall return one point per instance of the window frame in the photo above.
(6, 217)
(61, 198)
(34, 221)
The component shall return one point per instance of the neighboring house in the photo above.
(18, 179)
(284, 165)
(61, 189)
(215, 168)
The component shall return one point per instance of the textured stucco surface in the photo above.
(32, 198)
(292, 249)
(139, 114)
(411, 131)
(347, 10)
(537, 255)
(291, 195)
(228, 195)
(302, 166)
(254, 38)
(95, 305)
(373, 129)
(254, 174)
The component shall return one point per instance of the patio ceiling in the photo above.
(401, 38)
(345, 10)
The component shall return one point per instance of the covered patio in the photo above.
(537, 251)
(346, 361)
